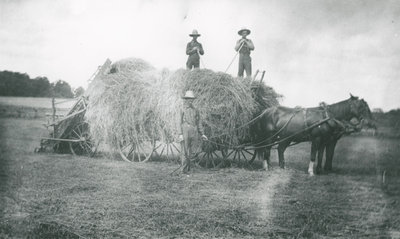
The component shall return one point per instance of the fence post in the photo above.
(53, 105)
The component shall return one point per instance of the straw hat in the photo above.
(189, 95)
(194, 33)
(244, 29)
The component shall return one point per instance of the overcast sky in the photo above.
(312, 50)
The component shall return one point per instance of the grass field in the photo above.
(35, 102)
(32, 107)
(61, 196)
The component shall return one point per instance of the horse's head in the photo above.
(360, 110)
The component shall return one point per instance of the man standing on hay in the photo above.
(194, 49)
(244, 46)
(190, 129)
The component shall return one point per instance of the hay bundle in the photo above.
(264, 96)
(121, 104)
(128, 65)
(225, 103)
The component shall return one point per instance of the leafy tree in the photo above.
(40, 87)
(61, 89)
(20, 84)
(14, 84)
(79, 91)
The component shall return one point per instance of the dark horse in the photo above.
(323, 126)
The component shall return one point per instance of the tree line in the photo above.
(20, 84)
(389, 119)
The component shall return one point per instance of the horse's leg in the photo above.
(321, 149)
(260, 156)
(314, 147)
(281, 153)
(266, 158)
(330, 150)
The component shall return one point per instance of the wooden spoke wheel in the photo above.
(136, 152)
(212, 158)
(241, 156)
(82, 143)
(169, 150)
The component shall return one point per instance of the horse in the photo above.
(323, 126)
(328, 142)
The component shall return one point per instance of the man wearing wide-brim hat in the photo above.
(194, 49)
(244, 46)
(190, 129)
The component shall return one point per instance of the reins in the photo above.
(243, 125)
(293, 135)
(251, 121)
(280, 130)
(258, 146)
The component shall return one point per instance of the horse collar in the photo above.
(324, 106)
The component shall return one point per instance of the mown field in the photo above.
(32, 107)
(35, 102)
(61, 196)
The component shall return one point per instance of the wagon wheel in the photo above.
(170, 150)
(239, 154)
(136, 152)
(211, 156)
(83, 144)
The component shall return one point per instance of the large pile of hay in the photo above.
(225, 103)
(135, 103)
(121, 103)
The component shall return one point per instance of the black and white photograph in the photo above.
(199, 119)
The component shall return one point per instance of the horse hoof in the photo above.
(318, 171)
(267, 168)
(328, 170)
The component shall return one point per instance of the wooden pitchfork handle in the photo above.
(255, 75)
(262, 76)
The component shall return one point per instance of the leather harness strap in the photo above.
(305, 116)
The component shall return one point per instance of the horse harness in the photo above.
(325, 115)
(325, 119)
(345, 127)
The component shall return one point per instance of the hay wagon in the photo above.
(142, 139)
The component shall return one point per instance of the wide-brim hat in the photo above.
(194, 33)
(189, 95)
(243, 30)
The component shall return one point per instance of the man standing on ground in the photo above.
(190, 129)
(244, 46)
(194, 49)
